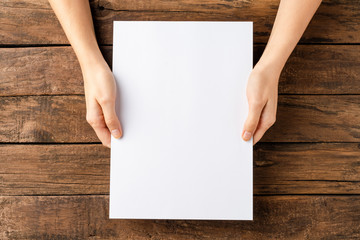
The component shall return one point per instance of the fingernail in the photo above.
(247, 135)
(116, 133)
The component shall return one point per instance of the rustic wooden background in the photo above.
(54, 173)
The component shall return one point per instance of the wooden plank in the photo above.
(29, 22)
(323, 168)
(86, 217)
(33, 22)
(300, 118)
(321, 69)
(36, 71)
(54, 169)
(42, 71)
(311, 118)
(44, 119)
(85, 169)
(311, 69)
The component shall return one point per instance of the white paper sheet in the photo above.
(182, 104)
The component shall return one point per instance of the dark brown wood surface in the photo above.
(72, 169)
(33, 22)
(86, 217)
(300, 118)
(304, 73)
(54, 173)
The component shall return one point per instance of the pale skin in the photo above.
(262, 88)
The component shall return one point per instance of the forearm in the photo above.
(290, 23)
(75, 18)
(262, 89)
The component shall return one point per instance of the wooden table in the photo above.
(54, 173)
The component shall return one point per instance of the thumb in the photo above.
(252, 120)
(111, 120)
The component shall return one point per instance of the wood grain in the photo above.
(33, 22)
(54, 169)
(307, 168)
(42, 71)
(54, 173)
(331, 168)
(311, 118)
(37, 71)
(44, 119)
(321, 69)
(300, 118)
(86, 217)
(311, 69)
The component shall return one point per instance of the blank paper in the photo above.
(181, 100)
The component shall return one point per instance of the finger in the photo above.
(267, 119)
(95, 118)
(252, 120)
(111, 119)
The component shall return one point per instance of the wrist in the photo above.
(93, 63)
(89, 56)
(90, 60)
(271, 70)
(91, 70)
(270, 65)
(274, 57)
(274, 65)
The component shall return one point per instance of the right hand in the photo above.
(100, 95)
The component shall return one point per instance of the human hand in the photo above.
(100, 95)
(262, 95)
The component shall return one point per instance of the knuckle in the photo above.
(257, 104)
(111, 121)
(94, 122)
(273, 120)
(270, 121)
(90, 120)
(105, 100)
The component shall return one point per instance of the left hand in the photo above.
(262, 95)
(100, 96)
